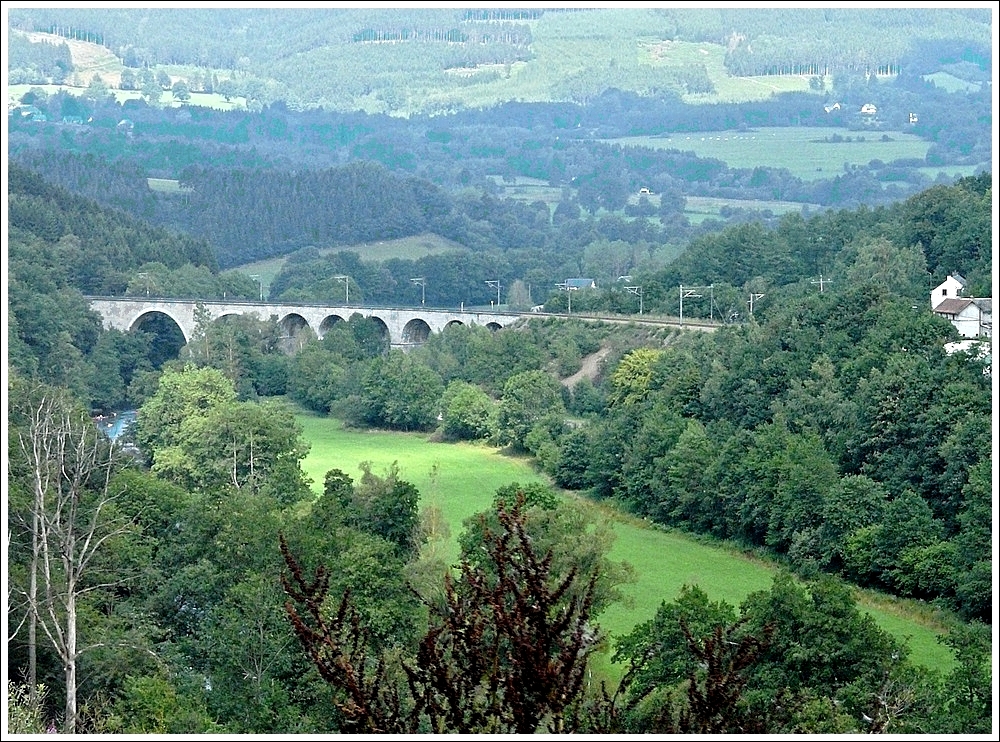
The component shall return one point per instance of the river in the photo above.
(115, 424)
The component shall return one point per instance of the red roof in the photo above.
(952, 306)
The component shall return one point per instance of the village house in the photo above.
(951, 288)
(972, 317)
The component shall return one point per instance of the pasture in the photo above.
(529, 190)
(166, 185)
(951, 83)
(405, 248)
(461, 479)
(699, 208)
(810, 153)
(573, 56)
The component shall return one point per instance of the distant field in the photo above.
(951, 171)
(405, 248)
(205, 100)
(700, 208)
(530, 190)
(460, 480)
(165, 185)
(952, 84)
(564, 47)
(807, 152)
(728, 89)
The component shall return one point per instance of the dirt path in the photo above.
(591, 368)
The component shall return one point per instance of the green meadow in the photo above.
(404, 248)
(460, 479)
(810, 153)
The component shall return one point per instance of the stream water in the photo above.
(115, 424)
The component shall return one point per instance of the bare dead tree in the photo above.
(508, 652)
(71, 516)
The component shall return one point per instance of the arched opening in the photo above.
(295, 332)
(494, 326)
(416, 331)
(327, 324)
(166, 339)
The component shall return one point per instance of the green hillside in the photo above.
(425, 60)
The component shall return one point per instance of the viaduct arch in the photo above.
(403, 327)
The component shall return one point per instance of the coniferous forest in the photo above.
(189, 578)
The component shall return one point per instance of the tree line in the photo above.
(61, 245)
(752, 390)
(436, 167)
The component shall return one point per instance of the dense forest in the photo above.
(831, 432)
(188, 578)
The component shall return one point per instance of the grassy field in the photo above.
(165, 185)
(700, 208)
(460, 480)
(951, 83)
(405, 248)
(807, 152)
(530, 190)
(167, 100)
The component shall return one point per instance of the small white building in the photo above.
(972, 317)
(951, 288)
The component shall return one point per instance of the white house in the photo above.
(951, 288)
(972, 317)
(868, 109)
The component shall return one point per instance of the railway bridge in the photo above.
(402, 327)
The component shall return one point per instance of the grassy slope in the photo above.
(405, 248)
(460, 479)
(564, 44)
(806, 152)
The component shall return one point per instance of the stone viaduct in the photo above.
(403, 327)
